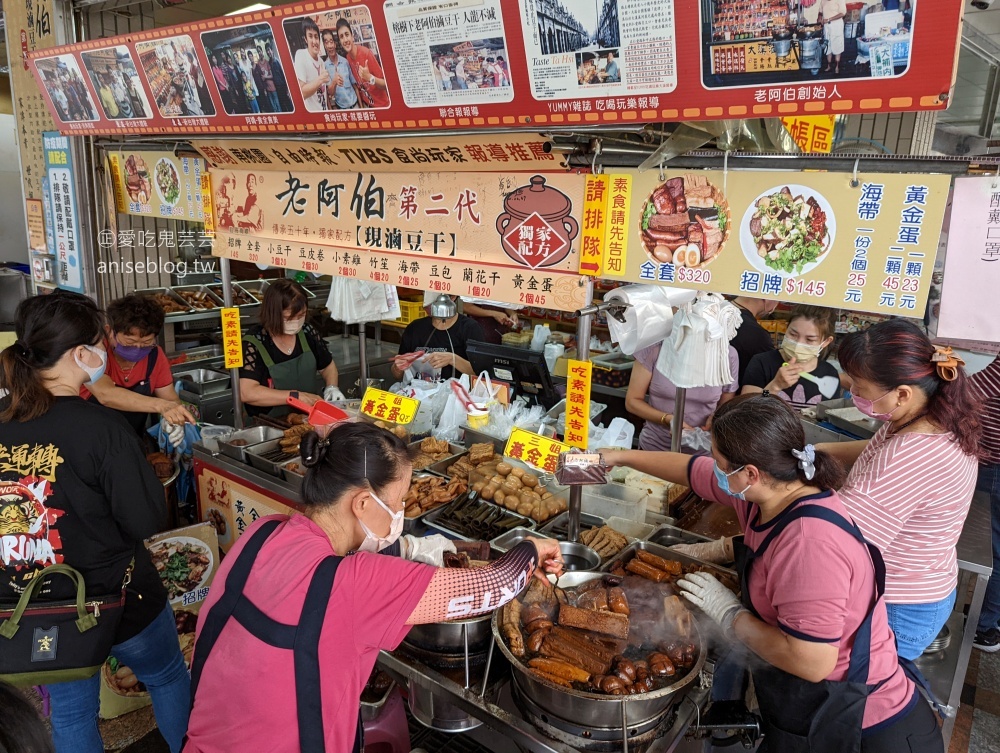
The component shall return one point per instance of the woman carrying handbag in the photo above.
(76, 492)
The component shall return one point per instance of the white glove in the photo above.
(712, 598)
(332, 394)
(717, 552)
(427, 549)
(174, 432)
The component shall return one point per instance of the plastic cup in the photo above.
(478, 418)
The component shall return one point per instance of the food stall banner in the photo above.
(972, 264)
(807, 237)
(423, 64)
(812, 133)
(232, 339)
(502, 152)
(386, 406)
(578, 379)
(59, 187)
(512, 238)
(535, 450)
(157, 184)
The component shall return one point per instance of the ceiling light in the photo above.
(250, 9)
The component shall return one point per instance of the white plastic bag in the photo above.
(454, 413)
(697, 440)
(541, 336)
(484, 393)
(618, 434)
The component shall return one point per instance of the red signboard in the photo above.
(421, 64)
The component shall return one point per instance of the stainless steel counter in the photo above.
(247, 472)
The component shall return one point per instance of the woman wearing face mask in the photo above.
(790, 371)
(911, 485)
(285, 357)
(320, 571)
(137, 379)
(95, 498)
(811, 609)
(437, 345)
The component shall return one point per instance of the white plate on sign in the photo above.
(749, 244)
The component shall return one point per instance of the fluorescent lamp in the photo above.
(249, 9)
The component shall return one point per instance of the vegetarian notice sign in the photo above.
(805, 237)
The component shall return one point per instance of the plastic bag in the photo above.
(453, 415)
(618, 434)
(541, 336)
(697, 440)
(484, 392)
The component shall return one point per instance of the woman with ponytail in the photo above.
(811, 609)
(910, 486)
(77, 490)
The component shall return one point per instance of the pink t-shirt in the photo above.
(246, 697)
(910, 495)
(816, 582)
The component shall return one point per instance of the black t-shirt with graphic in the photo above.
(75, 488)
(764, 367)
(421, 335)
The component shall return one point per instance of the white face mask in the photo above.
(93, 372)
(294, 326)
(373, 543)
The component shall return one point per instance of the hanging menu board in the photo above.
(426, 64)
(157, 184)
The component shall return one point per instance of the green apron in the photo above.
(299, 373)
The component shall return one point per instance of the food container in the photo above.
(150, 292)
(205, 381)
(630, 528)
(238, 291)
(558, 526)
(269, 457)
(256, 288)
(371, 710)
(547, 206)
(628, 553)
(294, 478)
(667, 535)
(441, 467)
(449, 637)
(455, 450)
(613, 370)
(596, 409)
(615, 500)
(252, 437)
(436, 520)
(472, 436)
(512, 538)
(206, 301)
(577, 556)
(205, 357)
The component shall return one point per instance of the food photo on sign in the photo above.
(66, 88)
(247, 71)
(176, 78)
(116, 80)
(337, 62)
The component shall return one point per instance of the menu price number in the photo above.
(347, 271)
(386, 406)
(857, 280)
(279, 261)
(801, 287)
(310, 266)
(535, 450)
(904, 284)
(699, 276)
(382, 277)
(408, 282)
(532, 299)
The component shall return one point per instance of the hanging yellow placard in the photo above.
(578, 376)
(232, 340)
(813, 133)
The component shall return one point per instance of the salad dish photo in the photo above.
(788, 230)
(183, 564)
(685, 222)
(168, 182)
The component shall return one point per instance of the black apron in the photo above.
(813, 717)
(143, 387)
(301, 639)
(299, 373)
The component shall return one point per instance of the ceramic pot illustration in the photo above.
(536, 227)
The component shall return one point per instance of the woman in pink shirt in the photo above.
(830, 680)
(291, 630)
(910, 486)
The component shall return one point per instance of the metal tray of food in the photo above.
(256, 288)
(204, 381)
(507, 541)
(454, 450)
(625, 556)
(241, 297)
(437, 520)
(269, 457)
(198, 297)
(667, 535)
(165, 296)
(477, 437)
(558, 526)
(237, 444)
(291, 475)
(195, 358)
(442, 466)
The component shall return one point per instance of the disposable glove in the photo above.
(333, 394)
(712, 598)
(427, 549)
(173, 432)
(707, 551)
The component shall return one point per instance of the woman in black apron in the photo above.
(284, 357)
(811, 609)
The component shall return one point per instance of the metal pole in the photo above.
(234, 374)
(582, 354)
(677, 422)
(362, 358)
(988, 114)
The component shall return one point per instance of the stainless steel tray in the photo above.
(253, 437)
(477, 437)
(195, 358)
(170, 294)
(269, 457)
(204, 381)
(293, 478)
(507, 541)
(370, 711)
(431, 520)
(217, 291)
(667, 535)
(625, 556)
(557, 527)
(210, 303)
(455, 449)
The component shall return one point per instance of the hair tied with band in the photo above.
(946, 363)
(807, 460)
(22, 350)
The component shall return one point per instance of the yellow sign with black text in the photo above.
(578, 377)
(387, 406)
(535, 450)
(232, 339)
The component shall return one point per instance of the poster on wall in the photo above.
(63, 218)
(505, 237)
(803, 237)
(157, 184)
(421, 64)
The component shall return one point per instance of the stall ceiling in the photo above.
(982, 28)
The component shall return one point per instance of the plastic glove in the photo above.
(427, 549)
(173, 432)
(712, 598)
(332, 394)
(718, 551)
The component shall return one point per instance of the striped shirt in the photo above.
(987, 382)
(909, 495)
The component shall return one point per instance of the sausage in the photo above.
(670, 566)
(511, 627)
(550, 678)
(537, 625)
(625, 669)
(610, 684)
(560, 669)
(617, 601)
(534, 641)
(647, 571)
(673, 244)
(667, 236)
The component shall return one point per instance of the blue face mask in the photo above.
(723, 478)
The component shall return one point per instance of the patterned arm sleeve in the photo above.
(455, 594)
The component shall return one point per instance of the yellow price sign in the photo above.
(578, 379)
(386, 406)
(232, 338)
(535, 450)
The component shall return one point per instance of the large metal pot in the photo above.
(811, 53)
(592, 709)
(448, 638)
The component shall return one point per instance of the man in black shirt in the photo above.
(751, 338)
(430, 345)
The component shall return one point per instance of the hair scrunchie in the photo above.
(807, 460)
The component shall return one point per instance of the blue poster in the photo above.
(64, 218)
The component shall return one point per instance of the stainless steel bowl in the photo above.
(577, 556)
(593, 709)
(449, 637)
